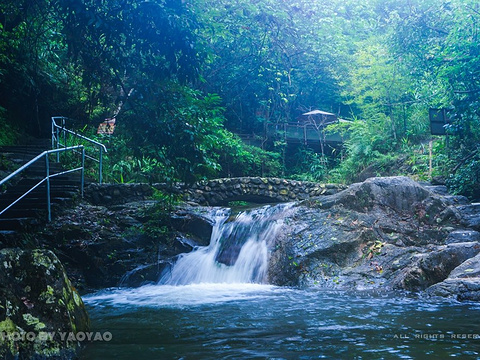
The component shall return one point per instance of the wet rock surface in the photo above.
(123, 244)
(388, 233)
(38, 306)
(383, 233)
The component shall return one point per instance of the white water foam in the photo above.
(238, 251)
(178, 296)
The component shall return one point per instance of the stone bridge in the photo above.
(253, 189)
(218, 192)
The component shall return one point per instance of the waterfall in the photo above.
(238, 251)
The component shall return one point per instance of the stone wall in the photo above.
(215, 192)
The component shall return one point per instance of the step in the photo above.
(8, 238)
(32, 210)
(55, 181)
(36, 203)
(17, 224)
(24, 213)
(35, 211)
(54, 186)
(41, 192)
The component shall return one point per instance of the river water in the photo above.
(214, 304)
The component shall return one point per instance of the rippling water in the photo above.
(252, 321)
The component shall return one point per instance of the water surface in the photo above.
(253, 321)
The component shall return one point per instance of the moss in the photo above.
(77, 298)
(48, 296)
(33, 321)
(41, 258)
(39, 274)
(52, 350)
(8, 345)
(7, 326)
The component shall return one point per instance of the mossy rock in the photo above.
(37, 305)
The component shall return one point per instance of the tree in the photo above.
(443, 52)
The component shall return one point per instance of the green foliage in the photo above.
(9, 134)
(179, 75)
(183, 131)
(158, 225)
(268, 59)
(308, 166)
(247, 160)
(466, 180)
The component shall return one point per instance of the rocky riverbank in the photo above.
(383, 233)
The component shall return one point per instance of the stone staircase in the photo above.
(32, 210)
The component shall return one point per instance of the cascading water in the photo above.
(238, 251)
(224, 310)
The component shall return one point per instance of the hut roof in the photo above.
(317, 112)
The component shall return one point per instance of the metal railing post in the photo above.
(53, 134)
(82, 173)
(61, 131)
(48, 176)
(100, 166)
(64, 133)
(49, 205)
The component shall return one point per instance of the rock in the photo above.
(436, 266)
(38, 300)
(459, 236)
(460, 289)
(397, 193)
(470, 215)
(383, 233)
(143, 274)
(468, 269)
(438, 189)
(99, 244)
(194, 221)
(438, 180)
(463, 283)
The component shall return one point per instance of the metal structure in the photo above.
(438, 121)
(59, 140)
(45, 155)
(306, 134)
(310, 129)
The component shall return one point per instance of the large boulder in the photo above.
(40, 311)
(382, 233)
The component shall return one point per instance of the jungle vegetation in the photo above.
(185, 79)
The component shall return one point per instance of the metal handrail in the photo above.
(48, 176)
(59, 130)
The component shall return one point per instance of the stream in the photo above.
(214, 303)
